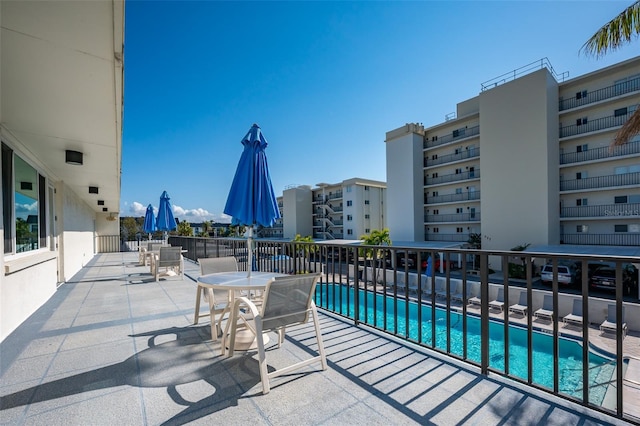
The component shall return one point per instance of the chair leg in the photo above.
(196, 312)
(316, 323)
(262, 359)
(212, 315)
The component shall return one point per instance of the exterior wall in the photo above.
(404, 211)
(297, 202)
(77, 233)
(519, 162)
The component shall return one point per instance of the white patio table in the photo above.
(234, 283)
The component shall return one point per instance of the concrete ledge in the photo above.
(25, 262)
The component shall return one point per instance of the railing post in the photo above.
(484, 313)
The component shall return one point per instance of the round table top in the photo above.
(239, 280)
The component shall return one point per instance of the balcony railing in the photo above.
(619, 239)
(449, 198)
(462, 155)
(606, 210)
(453, 136)
(601, 94)
(453, 177)
(446, 237)
(335, 196)
(593, 125)
(458, 217)
(601, 182)
(599, 153)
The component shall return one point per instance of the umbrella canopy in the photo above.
(165, 221)
(149, 225)
(251, 199)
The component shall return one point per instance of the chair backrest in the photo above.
(577, 307)
(500, 297)
(523, 298)
(547, 302)
(287, 300)
(611, 313)
(211, 265)
(169, 256)
(472, 289)
(157, 246)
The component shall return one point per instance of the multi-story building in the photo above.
(344, 210)
(528, 160)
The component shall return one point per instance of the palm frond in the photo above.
(620, 30)
(628, 130)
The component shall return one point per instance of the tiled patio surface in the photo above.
(113, 347)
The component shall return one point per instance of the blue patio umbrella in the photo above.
(149, 225)
(251, 199)
(165, 221)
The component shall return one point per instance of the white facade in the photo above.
(60, 89)
(345, 210)
(526, 161)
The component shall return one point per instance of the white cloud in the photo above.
(190, 215)
(137, 209)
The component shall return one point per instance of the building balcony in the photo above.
(609, 211)
(450, 158)
(452, 198)
(335, 196)
(583, 238)
(594, 125)
(436, 236)
(629, 148)
(600, 94)
(454, 136)
(610, 181)
(457, 217)
(453, 177)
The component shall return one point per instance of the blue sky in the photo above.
(324, 80)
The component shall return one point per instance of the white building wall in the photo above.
(297, 203)
(519, 162)
(77, 231)
(405, 193)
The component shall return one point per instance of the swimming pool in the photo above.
(340, 298)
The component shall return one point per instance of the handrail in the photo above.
(525, 69)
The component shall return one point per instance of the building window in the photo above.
(436, 211)
(436, 230)
(458, 151)
(459, 230)
(366, 216)
(581, 202)
(349, 231)
(458, 190)
(348, 188)
(367, 230)
(434, 157)
(349, 217)
(620, 200)
(582, 148)
(582, 228)
(366, 188)
(458, 171)
(459, 210)
(581, 175)
(434, 175)
(581, 121)
(620, 112)
(23, 201)
(349, 203)
(434, 194)
(366, 201)
(620, 228)
(582, 94)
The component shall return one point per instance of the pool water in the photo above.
(339, 298)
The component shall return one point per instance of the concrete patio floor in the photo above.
(114, 347)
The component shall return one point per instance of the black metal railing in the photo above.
(367, 285)
(626, 210)
(624, 179)
(456, 135)
(600, 94)
(594, 125)
(618, 239)
(453, 177)
(462, 155)
(457, 217)
(629, 148)
(449, 198)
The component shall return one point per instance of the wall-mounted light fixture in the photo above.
(73, 157)
(93, 190)
(101, 202)
(26, 186)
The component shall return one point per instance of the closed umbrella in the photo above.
(251, 199)
(165, 221)
(149, 225)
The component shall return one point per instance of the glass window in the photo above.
(620, 200)
(349, 231)
(24, 192)
(620, 228)
(349, 202)
(366, 201)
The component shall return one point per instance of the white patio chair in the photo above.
(287, 302)
(217, 299)
(575, 317)
(609, 324)
(456, 290)
(169, 258)
(546, 312)
(522, 306)
(498, 302)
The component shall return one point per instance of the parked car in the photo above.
(567, 274)
(436, 265)
(603, 277)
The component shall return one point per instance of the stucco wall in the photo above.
(77, 233)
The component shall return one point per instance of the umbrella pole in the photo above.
(249, 252)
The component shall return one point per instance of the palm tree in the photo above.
(620, 30)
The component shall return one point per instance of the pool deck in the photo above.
(114, 347)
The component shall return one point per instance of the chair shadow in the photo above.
(187, 359)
